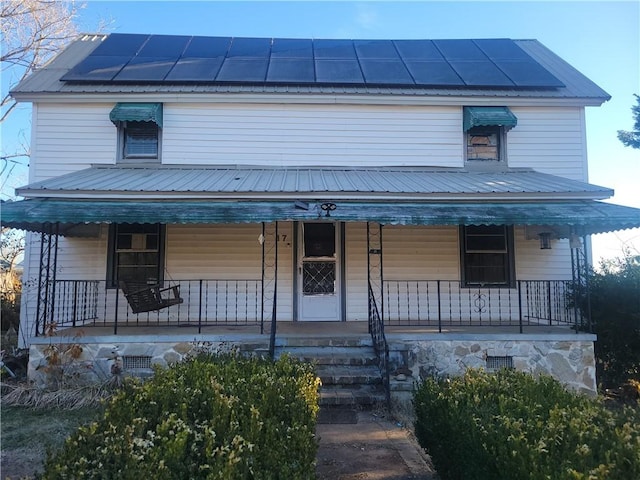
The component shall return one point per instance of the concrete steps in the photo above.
(347, 367)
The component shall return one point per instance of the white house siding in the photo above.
(303, 135)
(229, 252)
(356, 271)
(415, 258)
(71, 137)
(550, 140)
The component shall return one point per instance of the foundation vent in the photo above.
(136, 362)
(496, 363)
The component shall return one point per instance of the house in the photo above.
(424, 200)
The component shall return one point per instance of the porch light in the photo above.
(328, 208)
(545, 240)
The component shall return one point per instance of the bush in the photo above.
(615, 314)
(206, 418)
(510, 425)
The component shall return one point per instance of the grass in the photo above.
(27, 434)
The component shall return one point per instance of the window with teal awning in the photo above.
(488, 117)
(137, 112)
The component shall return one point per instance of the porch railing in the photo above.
(236, 302)
(446, 303)
(376, 329)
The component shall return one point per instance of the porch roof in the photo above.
(583, 217)
(137, 182)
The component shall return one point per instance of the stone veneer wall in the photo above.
(100, 361)
(568, 358)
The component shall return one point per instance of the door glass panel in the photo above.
(318, 278)
(319, 240)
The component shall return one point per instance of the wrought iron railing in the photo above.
(236, 302)
(239, 302)
(445, 303)
(380, 345)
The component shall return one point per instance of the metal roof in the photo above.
(585, 217)
(295, 182)
(47, 81)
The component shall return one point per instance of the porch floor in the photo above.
(292, 330)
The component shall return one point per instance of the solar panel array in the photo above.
(134, 58)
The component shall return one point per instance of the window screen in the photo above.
(140, 140)
(135, 254)
(487, 255)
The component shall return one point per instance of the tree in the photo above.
(33, 31)
(632, 138)
(11, 253)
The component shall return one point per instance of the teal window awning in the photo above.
(488, 116)
(585, 217)
(137, 112)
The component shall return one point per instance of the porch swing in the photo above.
(150, 298)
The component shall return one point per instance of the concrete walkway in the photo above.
(374, 448)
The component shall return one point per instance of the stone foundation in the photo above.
(567, 357)
(98, 359)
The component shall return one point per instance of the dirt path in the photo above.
(373, 449)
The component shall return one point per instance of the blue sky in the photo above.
(599, 38)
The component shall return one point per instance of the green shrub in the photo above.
(206, 418)
(510, 425)
(615, 314)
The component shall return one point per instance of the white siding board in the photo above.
(421, 253)
(550, 140)
(311, 135)
(535, 264)
(71, 138)
(356, 274)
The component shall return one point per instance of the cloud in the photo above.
(366, 17)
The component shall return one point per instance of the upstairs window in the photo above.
(139, 128)
(483, 143)
(485, 129)
(139, 140)
(487, 256)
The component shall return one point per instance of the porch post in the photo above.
(374, 268)
(269, 242)
(580, 280)
(47, 277)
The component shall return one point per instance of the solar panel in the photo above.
(292, 48)
(455, 50)
(250, 47)
(96, 68)
(338, 71)
(481, 74)
(241, 69)
(293, 70)
(120, 44)
(164, 46)
(528, 74)
(383, 72)
(417, 50)
(146, 69)
(207, 47)
(156, 58)
(433, 73)
(195, 69)
(379, 49)
(334, 49)
(502, 49)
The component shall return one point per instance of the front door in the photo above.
(318, 271)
